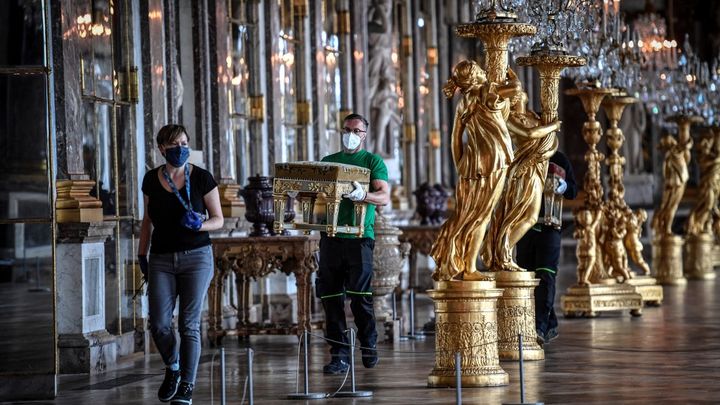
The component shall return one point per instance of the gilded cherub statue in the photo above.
(615, 256)
(675, 173)
(481, 163)
(520, 203)
(586, 231)
(634, 222)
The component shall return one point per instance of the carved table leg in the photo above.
(302, 281)
(243, 288)
(215, 293)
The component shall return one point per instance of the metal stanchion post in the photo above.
(251, 393)
(458, 379)
(306, 394)
(412, 334)
(222, 376)
(353, 393)
(522, 377)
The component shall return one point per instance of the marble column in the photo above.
(345, 59)
(303, 111)
(409, 179)
(436, 95)
(84, 345)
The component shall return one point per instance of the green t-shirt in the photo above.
(378, 171)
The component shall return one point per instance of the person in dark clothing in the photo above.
(346, 261)
(539, 251)
(182, 204)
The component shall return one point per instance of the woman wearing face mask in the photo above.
(182, 204)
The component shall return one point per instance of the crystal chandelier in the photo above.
(650, 36)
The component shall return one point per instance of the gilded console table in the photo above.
(253, 258)
(421, 239)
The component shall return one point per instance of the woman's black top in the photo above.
(165, 211)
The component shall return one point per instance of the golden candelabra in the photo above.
(465, 301)
(700, 241)
(599, 243)
(667, 247)
(623, 226)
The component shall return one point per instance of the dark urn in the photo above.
(258, 196)
(431, 203)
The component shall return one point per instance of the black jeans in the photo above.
(539, 251)
(345, 269)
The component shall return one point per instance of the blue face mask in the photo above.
(177, 156)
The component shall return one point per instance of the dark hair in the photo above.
(169, 133)
(354, 116)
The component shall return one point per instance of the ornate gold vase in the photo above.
(466, 322)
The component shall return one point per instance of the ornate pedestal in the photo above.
(667, 260)
(84, 345)
(698, 257)
(587, 301)
(255, 257)
(516, 315)
(648, 288)
(421, 239)
(466, 323)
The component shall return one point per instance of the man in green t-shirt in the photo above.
(346, 261)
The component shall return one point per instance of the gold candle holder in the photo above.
(596, 291)
(667, 247)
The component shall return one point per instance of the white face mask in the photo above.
(350, 140)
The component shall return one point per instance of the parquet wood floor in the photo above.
(669, 355)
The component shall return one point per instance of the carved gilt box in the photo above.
(322, 181)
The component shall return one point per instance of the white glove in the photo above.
(561, 187)
(358, 194)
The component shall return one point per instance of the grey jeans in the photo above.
(186, 274)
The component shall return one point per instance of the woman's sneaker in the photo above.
(169, 386)
(184, 394)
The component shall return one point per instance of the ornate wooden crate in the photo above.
(322, 182)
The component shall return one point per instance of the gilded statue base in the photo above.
(716, 255)
(516, 315)
(698, 257)
(648, 288)
(667, 260)
(466, 322)
(587, 301)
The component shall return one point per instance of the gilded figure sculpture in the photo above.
(675, 174)
(700, 219)
(615, 256)
(587, 223)
(633, 245)
(520, 203)
(481, 164)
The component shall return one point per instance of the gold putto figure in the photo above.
(481, 164)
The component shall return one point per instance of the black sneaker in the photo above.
(552, 334)
(336, 366)
(184, 394)
(369, 357)
(169, 386)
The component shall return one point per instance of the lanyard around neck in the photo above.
(188, 205)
